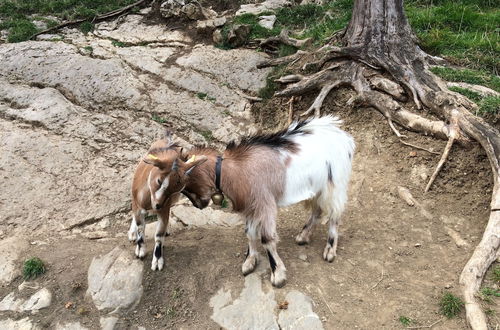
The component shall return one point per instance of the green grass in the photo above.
(207, 135)
(450, 305)
(224, 204)
(205, 96)
(33, 268)
(313, 21)
(17, 15)
(487, 105)
(496, 274)
(406, 321)
(469, 76)
(464, 31)
(271, 86)
(158, 119)
(487, 294)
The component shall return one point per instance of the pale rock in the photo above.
(131, 29)
(10, 249)
(217, 37)
(41, 299)
(108, 323)
(22, 324)
(299, 314)
(70, 326)
(267, 21)
(11, 303)
(253, 309)
(211, 23)
(115, 281)
(191, 216)
(259, 8)
(237, 67)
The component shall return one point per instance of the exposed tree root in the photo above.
(284, 38)
(282, 60)
(453, 133)
(418, 147)
(425, 90)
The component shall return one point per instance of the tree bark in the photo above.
(379, 37)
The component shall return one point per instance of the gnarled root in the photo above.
(270, 43)
(453, 134)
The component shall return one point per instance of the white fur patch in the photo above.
(163, 187)
(308, 171)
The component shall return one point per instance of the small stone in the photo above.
(267, 21)
(303, 257)
(418, 245)
(448, 286)
(238, 35)
(41, 299)
(217, 37)
(413, 154)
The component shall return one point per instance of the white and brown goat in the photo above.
(309, 161)
(155, 187)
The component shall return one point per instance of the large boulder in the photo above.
(115, 281)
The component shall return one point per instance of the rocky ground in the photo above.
(77, 113)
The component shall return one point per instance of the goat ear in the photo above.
(152, 159)
(193, 162)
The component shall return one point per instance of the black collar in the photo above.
(218, 169)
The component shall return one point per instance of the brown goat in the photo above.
(155, 187)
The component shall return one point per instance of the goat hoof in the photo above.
(278, 278)
(157, 264)
(140, 251)
(249, 265)
(329, 254)
(301, 240)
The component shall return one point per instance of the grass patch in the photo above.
(314, 21)
(224, 204)
(171, 312)
(177, 293)
(450, 305)
(207, 135)
(86, 27)
(464, 31)
(158, 119)
(469, 76)
(487, 105)
(496, 274)
(406, 321)
(471, 95)
(33, 268)
(271, 86)
(487, 294)
(17, 15)
(204, 96)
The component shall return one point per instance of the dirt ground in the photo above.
(392, 260)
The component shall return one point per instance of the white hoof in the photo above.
(249, 265)
(157, 264)
(140, 251)
(329, 253)
(303, 238)
(278, 278)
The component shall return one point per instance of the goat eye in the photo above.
(159, 182)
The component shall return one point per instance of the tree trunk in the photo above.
(379, 40)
